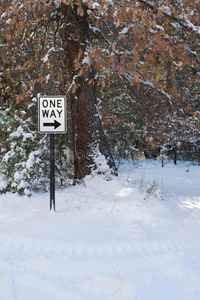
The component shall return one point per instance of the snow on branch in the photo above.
(181, 19)
(72, 84)
(50, 51)
(150, 84)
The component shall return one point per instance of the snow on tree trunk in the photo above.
(88, 135)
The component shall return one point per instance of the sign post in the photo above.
(52, 171)
(51, 120)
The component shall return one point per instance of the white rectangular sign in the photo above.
(52, 114)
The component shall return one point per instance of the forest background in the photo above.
(131, 66)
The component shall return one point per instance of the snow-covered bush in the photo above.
(25, 153)
(101, 166)
(24, 163)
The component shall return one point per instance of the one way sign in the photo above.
(52, 114)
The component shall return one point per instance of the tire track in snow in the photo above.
(51, 260)
(93, 250)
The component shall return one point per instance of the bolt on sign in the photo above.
(52, 114)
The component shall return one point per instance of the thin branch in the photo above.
(185, 23)
(150, 84)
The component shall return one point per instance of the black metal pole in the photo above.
(52, 171)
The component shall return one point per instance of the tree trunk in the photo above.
(89, 140)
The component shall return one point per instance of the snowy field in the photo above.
(136, 237)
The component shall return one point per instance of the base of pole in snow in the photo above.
(52, 171)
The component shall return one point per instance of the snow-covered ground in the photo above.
(136, 237)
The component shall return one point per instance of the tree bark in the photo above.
(88, 135)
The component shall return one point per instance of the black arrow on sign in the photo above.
(56, 124)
